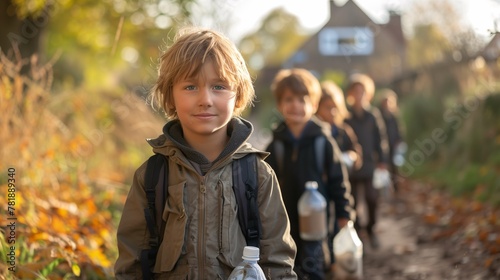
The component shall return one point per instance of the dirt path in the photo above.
(411, 248)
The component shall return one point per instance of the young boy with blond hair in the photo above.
(297, 93)
(203, 86)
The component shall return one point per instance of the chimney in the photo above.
(395, 27)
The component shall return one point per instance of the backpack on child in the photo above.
(319, 150)
(245, 187)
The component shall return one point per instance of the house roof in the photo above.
(348, 14)
(351, 14)
(492, 49)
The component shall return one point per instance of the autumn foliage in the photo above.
(70, 177)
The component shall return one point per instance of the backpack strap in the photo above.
(319, 149)
(155, 180)
(245, 187)
(279, 149)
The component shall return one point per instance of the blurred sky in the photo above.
(313, 14)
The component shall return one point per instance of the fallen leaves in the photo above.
(469, 229)
(65, 225)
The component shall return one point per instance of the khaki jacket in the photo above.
(202, 238)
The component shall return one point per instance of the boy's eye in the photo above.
(219, 87)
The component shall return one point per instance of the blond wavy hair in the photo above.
(192, 47)
(331, 91)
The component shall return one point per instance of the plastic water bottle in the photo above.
(346, 158)
(381, 178)
(348, 250)
(399, 154)
(248, 268)
(312, 213)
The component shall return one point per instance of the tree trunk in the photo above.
(22, 34)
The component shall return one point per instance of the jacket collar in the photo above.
(172, 142)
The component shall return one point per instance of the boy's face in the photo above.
(204, 103)
(389, 103)
(357, 93)
(296, 109)
(327, 110)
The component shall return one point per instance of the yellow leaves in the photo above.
(6, 87)
(58, 225)
(49, 267)
(66, 227)
(96, 256)
(78, 145)
(88, 207)
(68, 176)
(39, 236)
(49, 154)
(76, 270)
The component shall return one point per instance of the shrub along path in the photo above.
(427, 234)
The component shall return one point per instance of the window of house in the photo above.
(345, 41)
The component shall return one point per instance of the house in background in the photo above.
(492, 50)
(352, 42)
(349, 42)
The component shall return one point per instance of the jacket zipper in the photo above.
(221, 214)
(201, 230)
(295, 152)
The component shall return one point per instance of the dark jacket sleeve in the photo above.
(380, 135)
(352, 144)
(272, 158)
(338, 188)
(278, 248)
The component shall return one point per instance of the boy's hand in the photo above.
(382, 165)
(332, 268)
(342, 222)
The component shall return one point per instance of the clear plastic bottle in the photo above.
(312, 213)
(248, 268)
(399, 154)
(381, 178)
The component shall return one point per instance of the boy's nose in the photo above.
(205, 96)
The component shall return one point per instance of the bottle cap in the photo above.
(311, 185)
(251, 253)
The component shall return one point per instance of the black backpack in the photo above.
(245, 187)
(319, 150)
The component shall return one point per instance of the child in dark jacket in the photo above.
(389, 111)
(369, 127)
(333, 111)
(297, 93)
